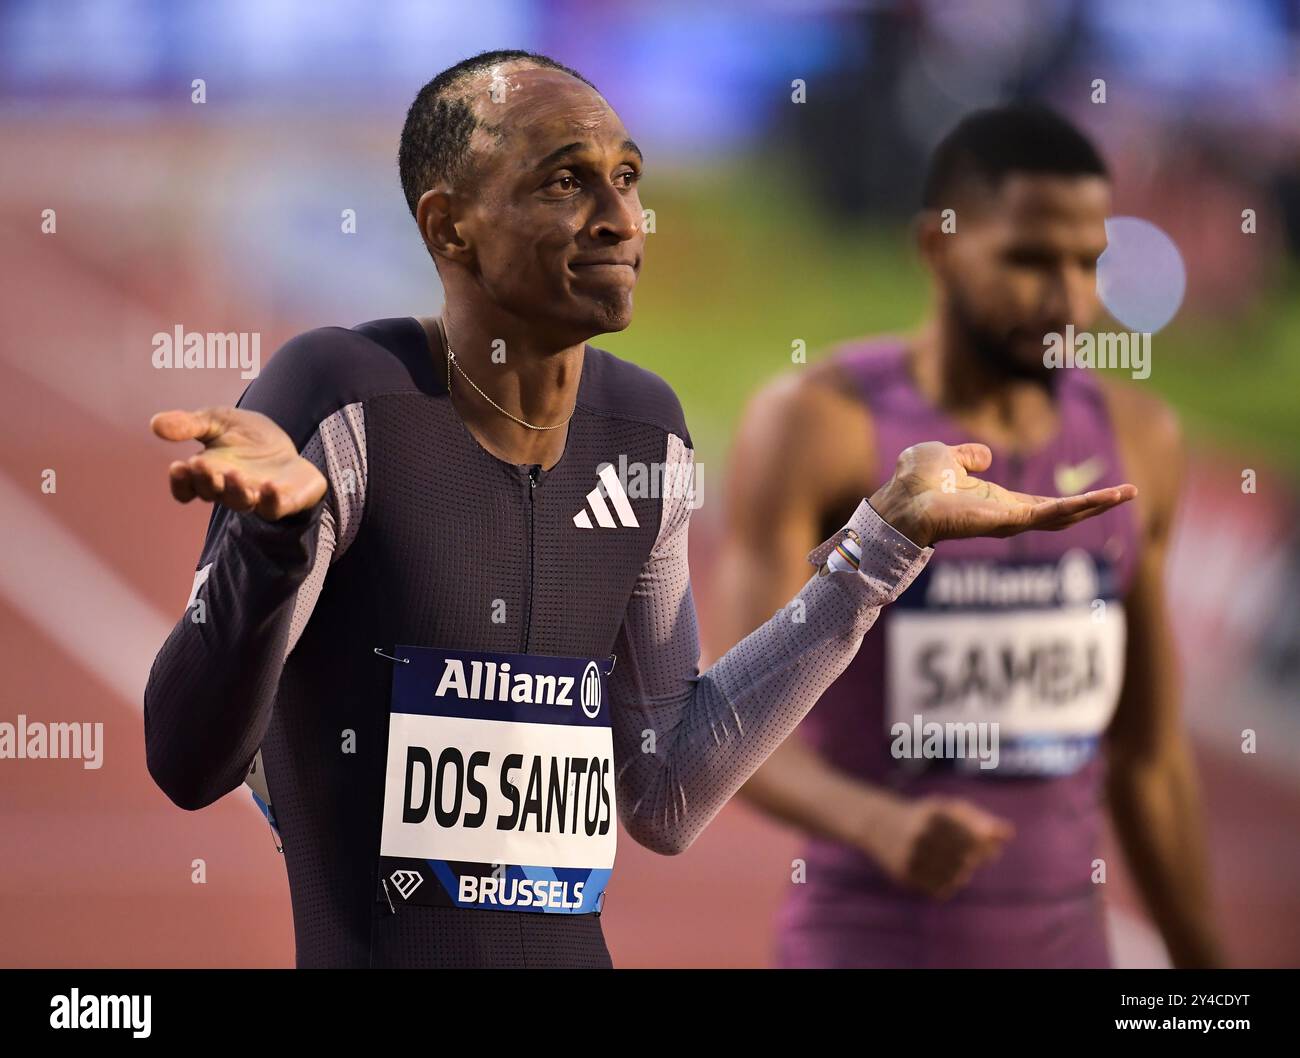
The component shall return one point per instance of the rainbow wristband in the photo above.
(846, 557)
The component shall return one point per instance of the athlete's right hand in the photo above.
(248, 463)
(935, 844)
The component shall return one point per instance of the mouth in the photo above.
(605, 270)
(603, 262)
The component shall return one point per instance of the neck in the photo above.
(521, 368)
(1000, 409)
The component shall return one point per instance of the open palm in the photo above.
(248, 463)
(935, 496)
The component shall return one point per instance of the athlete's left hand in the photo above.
(933, 496)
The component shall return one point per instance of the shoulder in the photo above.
(620, 389)
(803, 397)
(814, 410)
(1143, 421)
(804, 442)
(319, 371)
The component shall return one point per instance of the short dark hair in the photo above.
(441, 120)
(988, 145)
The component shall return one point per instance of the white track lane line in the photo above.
(78, 602)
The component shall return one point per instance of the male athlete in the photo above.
(464, 646)
(951, 780)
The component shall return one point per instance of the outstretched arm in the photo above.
(685, 742)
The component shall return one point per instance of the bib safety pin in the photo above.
(380, 652)
(613, 660)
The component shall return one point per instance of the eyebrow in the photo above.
(1047, 249)
(570, 148)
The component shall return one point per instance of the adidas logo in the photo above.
(613, 488)
(406, 882)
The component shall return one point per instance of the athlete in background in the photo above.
(1062, 641)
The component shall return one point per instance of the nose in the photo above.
(1081, 296)
(616, 216)
(1070, 296)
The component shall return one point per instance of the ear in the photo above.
(928, 237)
(439, 213)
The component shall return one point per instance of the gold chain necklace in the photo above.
(451, 359)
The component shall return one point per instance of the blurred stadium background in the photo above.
(775, 221)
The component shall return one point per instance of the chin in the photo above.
(611, 316)
(1028, 368)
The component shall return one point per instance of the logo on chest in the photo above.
(609, 502)
(610, 487)
(1075, 479)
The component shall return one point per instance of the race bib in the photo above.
(1004, 669)
(499, 788)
